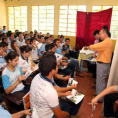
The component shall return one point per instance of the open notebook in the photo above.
(76, 97)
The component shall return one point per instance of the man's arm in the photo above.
(65, 89)
(103, 93)
(59, 113)
(61, 77)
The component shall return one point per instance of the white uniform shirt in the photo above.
(43, 96)
(24, 64)
(34, 53)
(20, 43)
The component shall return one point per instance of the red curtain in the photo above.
(87, 23)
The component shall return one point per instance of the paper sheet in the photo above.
(71, 82)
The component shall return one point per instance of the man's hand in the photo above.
(74, 86)
(86, 47)
(27, 112)
(68, 93)
(67, 77)
(65, 64)
(94, 101)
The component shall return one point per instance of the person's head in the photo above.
(61, 38)
(46, 39)
(32, 41)
(5, 46)
(96, 34)
(58, 36)
(64, 51)
(40, 33)
(26, 50)
(1, 49)
(16, 31)
(54, 47)
(12, 58)
(51, 37)
(67, 41)
(14, 45)
(48, 47)
(11, 36)
(4, 40)
(48, 64)
(27, 41)
(36, 36)
(48, 34)
(41, 38)
(4, 34)
(26, 36)
(20, 35)
(8, 33)
(57, 42)
(104, 34)
(105, 27)
(31, 33)
(4, 27)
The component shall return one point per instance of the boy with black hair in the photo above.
(48, 34)
(5, 48)
(51, 38)
(4, 29)
(20, 40)
(34, 53)
(43, 96)
(2, 60)
(10, 38)
(62, 41)
(106, 28)
(41, 48)
(31, 35)
(4, 40)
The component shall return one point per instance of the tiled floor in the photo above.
(85, 86)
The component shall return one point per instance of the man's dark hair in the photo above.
(19, 33)
(4, 26)
(47, 63)
(107, 32)
(51, 36)
(62, 36)
(31, 32)
(48, 47)
(96, 32)
(55, 40)
(32, 39)
(41, 36)
(10, 34)
(25, 48)
(105, 27)
(46, 37)
(48, 33)
(4, 44)
(3, 39)
(1, 35)
(25, 35)
(67, 39)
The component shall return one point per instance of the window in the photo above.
(114, 20)
(43, 19)
(67, 19)
(17, 18)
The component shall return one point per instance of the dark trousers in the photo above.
(26, 89)
(109, 104)
(69, 107)
(69, 70)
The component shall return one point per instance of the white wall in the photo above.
(2, 13)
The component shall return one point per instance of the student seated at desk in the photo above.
(2, 60)
(12, 75)
(34, 53)
(25, 60)
(5, 48)
(43, 96)
(14, 47)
